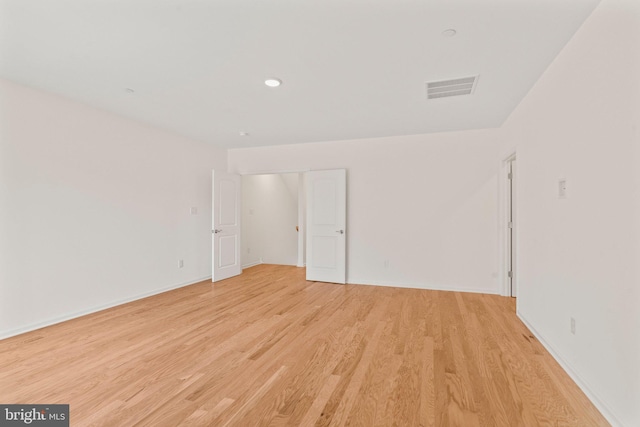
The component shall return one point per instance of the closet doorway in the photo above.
(273, 219)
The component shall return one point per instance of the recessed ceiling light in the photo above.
(244, 133)
(273, 82)
(129, 90)
(449, 33)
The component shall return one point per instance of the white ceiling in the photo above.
(351, 68)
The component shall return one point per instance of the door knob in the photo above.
(216, 231)
(340, 231)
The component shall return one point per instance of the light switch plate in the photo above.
(562, 188)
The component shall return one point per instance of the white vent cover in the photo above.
(455, 87)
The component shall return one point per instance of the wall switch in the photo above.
(562, 188)
(181, 263)
(573, 326)
(194, 211)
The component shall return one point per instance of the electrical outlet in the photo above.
(194, 211)
(386, 263)
(181, 263)
(573, 326)
(248, 250)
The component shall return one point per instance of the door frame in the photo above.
(503, 222)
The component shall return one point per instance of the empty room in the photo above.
(382, 213)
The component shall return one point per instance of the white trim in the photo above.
(503, 206)
(575, 375)
(272, 172)
(302, 222)
(251, 264)
(429, 287)
(59, 319)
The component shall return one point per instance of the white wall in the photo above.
(269, 219)
(426, 205)
(94, 209)
(580, 257)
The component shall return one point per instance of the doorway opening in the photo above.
(273, 219)
(274, 206)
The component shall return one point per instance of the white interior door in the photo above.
(226, 225)
(326, 225)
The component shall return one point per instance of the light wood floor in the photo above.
(269, 348)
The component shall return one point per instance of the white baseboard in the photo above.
(429, 287)
(575, 376)
(80, 313)
(251, 264)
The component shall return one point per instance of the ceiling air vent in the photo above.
(455, 87)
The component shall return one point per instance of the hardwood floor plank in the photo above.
(371, 404)
(320, 401)
(253, 400)
(427, 384)
(268, 348)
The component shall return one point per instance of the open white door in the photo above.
(326, 225)
(226, 225)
